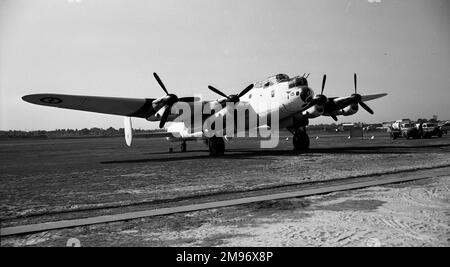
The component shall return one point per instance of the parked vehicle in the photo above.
(445, 127)
(429, 130)
(404, 128)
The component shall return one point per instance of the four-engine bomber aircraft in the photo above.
(294, 101)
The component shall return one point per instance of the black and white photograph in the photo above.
(245, 126)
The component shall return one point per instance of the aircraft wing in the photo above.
(130, 107)
(364, 98)
(372, 97)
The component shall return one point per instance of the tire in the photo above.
(183, 147)
(301, 141)
(216, 146)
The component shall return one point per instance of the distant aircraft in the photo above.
(294, 100)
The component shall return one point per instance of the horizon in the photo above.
(110, 48)
(165, 129)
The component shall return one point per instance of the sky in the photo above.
(112, 47)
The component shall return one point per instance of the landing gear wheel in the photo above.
(216, 146)
(183, 147)
(301, 141)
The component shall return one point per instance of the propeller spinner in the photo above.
(358, 99)
(231, 98)
(320, 99)
(169, 101)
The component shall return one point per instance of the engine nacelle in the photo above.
(184, 136)
(349, 110)
(313, 112)
(181, 133)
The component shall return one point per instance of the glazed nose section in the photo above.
(306, 94)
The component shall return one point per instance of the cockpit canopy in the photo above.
(279, 78)
(298, 81)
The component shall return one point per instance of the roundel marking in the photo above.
(51, 100)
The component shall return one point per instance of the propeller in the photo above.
(320, 99)
(169, 100)
(358, 99)
(329, 108)
(333, 116)
(231, 98)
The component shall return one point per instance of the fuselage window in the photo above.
(297, 93)
(272, 93)
(249, 96)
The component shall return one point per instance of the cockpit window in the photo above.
(281, 78)
(298, 81)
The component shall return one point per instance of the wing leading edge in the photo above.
(372, 97)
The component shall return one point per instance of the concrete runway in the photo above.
(68, 180)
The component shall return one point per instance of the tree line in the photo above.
(61, 133)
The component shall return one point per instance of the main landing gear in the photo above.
(183, 146)
(216, 146)
(301, 140)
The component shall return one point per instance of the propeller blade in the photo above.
(366, 107)
(323, 83)
(217, 91)
(354, 80)
(333, 116)
(165, 115)
(246, 90)
(160, 82)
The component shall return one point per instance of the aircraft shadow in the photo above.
(174, 152)
(256, 154)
